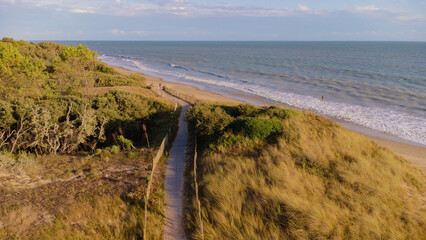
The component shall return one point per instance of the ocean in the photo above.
(378, 85)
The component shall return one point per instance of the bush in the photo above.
(80, 52)
(105, 69)
(258, 128)
(126, 144)
(133, 154)
(6, 115)
(123, 106)
(21, 74)
(109, 80)
(246, 110)
(115, 149)
(6, 39)
(43, 109)
(274, 111)
(136, 77)
(230, 139)
(208, 120)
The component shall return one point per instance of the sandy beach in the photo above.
(413, 153)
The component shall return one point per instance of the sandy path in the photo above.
(173, 224)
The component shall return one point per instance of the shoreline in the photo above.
(411, 151)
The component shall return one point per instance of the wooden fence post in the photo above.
(196, 191)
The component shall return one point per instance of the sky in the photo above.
(227, 20)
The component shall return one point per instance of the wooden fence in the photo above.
(190, 99)
(148, 189)
(196, 191)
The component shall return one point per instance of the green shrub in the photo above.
(106, 153)
(21, 74)
(80, 52)
(246, 110)
(115, 149)
(126, 144)
(6, 117)
(121, 105)
(227, 140)
(109, 80)
(108, 77)
(43, 88)
(274, 111)
(207, 119)
(258, 128)
(133, 154)
(136, 77)
(105, 69)
(6, 39)
(230, 139)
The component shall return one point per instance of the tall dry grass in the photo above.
(317, 181)
(112, 215)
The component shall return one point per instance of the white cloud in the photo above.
(365, 33)
(390, 15)
(117, 32)
(122, 32)
(173, 7)
(304, 8)
(417, 18)
(366, 8)
(77, 10)
(8, 1)
(192, 8)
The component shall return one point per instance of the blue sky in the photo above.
(389, 20)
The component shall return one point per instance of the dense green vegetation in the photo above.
(74, 156)
(272, 173)
(49, 69)
(44, 108)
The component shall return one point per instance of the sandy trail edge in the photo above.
(415, 154)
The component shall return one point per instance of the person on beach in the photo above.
(322, 98)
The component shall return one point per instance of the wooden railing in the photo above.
(190, 99)
(148, 189)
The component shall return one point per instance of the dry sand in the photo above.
(415, 154)
(202, 96)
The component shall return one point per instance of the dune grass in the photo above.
(313, 180)
(80, 197)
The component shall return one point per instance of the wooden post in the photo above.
(146, 134)
(196, 191)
